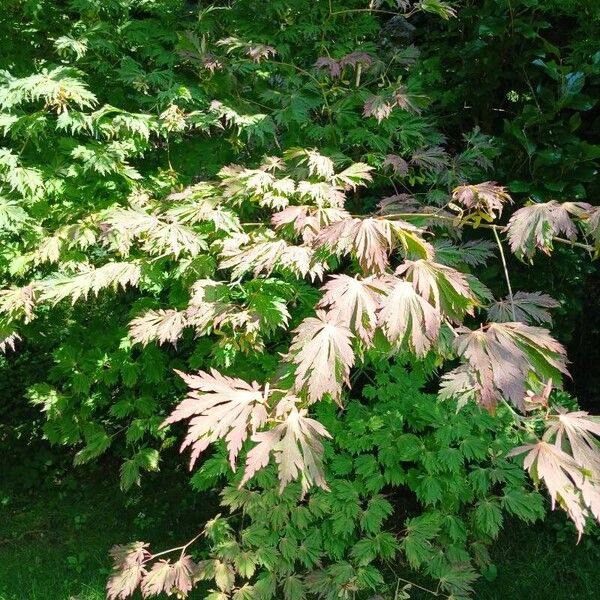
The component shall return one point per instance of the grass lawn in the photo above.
(54, 543)
(54, 539)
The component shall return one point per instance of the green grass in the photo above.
(532, 564)
(55, 538)
(54, 543)
(53, 546)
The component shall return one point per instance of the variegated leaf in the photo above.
(534, 227)
(529, 308)
(296, 445)
(501, 356)
(443, 287)
(219, 407)
(322, 353)
(406, 317)
(354, 302)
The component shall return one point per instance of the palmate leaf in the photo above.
(379, 107)
(335, 66)
(251, 126)
(239, 183)
(396, 163)
(322, 193)
(372, 240)
(322, 353)
(165, 576)
(12, 215)
(577, 429)
(59, 88)
(357, 58)
(321, 166)
(128, 569)
(433, 159)
(308, 221)
(488, 198)
(401, 203)
(353, 176)
(219, 407)
(406, 317)
(565, 480)
(296, 445)
(124, 582)
(405, 100)
(438, 7)
(269, 308)
(80, 235)
(146, 459)
(500, 357)
(242, 254)
(473, 253)
(265, 255)
(354, 302)
(443, 287)
(529, 308)
(209, 307)
(18, 303)
(111, 275)
(533, 227)
(204, 209)
(8, 337)
(158, 236)
(258, 52)
(161, 325)
(331, 65)
(318, 164)
(155, 580)
(369, 239)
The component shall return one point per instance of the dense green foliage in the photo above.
(177, 183)
(443, 476)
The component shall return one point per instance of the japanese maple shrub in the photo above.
(311, 284)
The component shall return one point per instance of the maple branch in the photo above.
(587, 247)
(182, 548)
(437, 593)
(412, 583)
(369, 10)
(502, 228)
(506, 276)
(254, 224)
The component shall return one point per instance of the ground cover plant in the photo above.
(247, 231)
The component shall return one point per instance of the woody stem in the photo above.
(506, 276)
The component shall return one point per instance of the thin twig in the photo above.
(363, 10)
(182, 548)
(449, 219)
(506, 275)
(573, 243)
(432, 592)
(500, 228)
